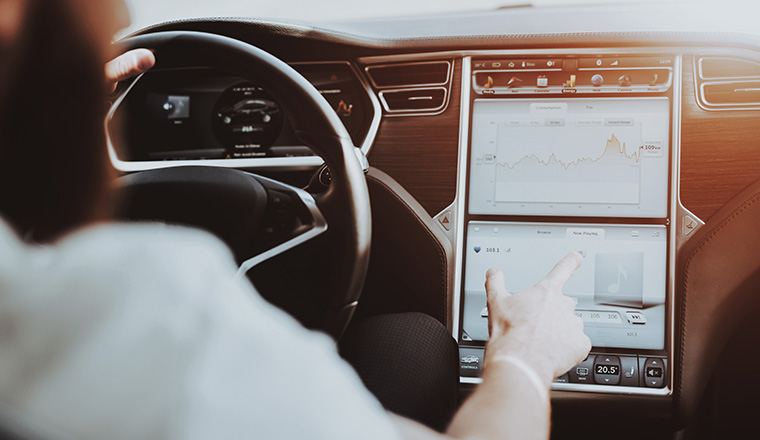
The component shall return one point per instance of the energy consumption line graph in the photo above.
(613, 151)
(572, 163)
(605, 157)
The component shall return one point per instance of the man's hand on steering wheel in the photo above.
(344, 207)
(128, 65)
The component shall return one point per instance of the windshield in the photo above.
(147, 12)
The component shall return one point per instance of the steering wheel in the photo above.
(244, 209)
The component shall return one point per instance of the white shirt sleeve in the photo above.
(126, 332)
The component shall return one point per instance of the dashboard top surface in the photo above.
(623, 25)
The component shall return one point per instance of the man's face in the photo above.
(103, 18)
(11, 19)
(11, 15)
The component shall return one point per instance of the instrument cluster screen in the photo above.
(206, 114)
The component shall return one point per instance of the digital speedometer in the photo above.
(204, 114)
(246, 120)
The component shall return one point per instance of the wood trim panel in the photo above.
(720, 151)
(420, 152)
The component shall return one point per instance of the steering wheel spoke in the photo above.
(292, 217)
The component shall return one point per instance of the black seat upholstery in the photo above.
(409, 361)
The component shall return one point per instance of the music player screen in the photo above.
(619, 290)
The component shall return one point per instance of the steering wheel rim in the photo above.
(345, 205)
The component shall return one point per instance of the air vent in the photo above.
(727, 83)
(414, 100)
(725, 67)
(430, 73)
(732, 93)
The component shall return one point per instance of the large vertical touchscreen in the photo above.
(602, 157)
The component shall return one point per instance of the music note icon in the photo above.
(619, 279)
(615, 287)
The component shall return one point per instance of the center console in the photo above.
(564, 152)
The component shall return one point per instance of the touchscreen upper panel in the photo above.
(580, 157)
(619, 290)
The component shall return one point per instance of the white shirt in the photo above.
(143, 332)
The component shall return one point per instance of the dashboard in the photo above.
(509, 148)
(559, 152)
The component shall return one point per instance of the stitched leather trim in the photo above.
(692, 252)
(428, 233)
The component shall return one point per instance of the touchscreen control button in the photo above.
(654, 372)
(470, 362)
(636, 318)
(629, 371)
(583, 372)
(607, 370)
(445, 220)
(689, 225)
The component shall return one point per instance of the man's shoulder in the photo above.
(146, 256)
(144, 243)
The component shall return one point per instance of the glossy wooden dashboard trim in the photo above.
(420, 152)
(720, 151)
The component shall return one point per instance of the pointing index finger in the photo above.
(496, 289)
(565, 269)
(495, 283)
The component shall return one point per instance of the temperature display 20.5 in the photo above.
(607, 369)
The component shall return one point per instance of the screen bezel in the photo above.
(463, 217)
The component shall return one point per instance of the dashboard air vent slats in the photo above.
(414, 100)
(410, 74)
(740, 92)
(727, 83)
(724, 67)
